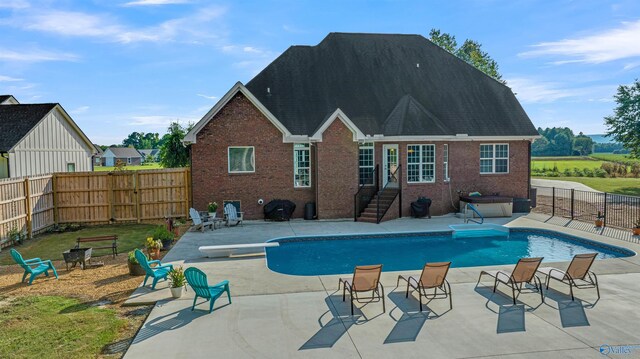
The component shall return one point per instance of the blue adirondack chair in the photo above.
(28, 266)
(161, 271)
(198, 281)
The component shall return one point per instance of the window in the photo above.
(301, 165)
(242, 159)
(421, 163)
(71, 167)
(366, 164)
(128, 160)
(445, 161)
(494, 158)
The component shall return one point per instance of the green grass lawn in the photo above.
(614, 157)
(54, 327)
(151, 166)
(51, 245)
(627, 186)
(562, 164)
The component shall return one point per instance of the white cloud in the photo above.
(9, 79)
(609, 45)
(35, 56)
(159, 121)
(80, 24)
(529, 90)
(79, 110)
(208, 97)
(13, 4)
(155, 2)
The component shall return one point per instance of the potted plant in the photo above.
(212, 208)
(153, 247)
(599, 219)
(636, 228)
(163, 235)
(134, 267)
(177, 281)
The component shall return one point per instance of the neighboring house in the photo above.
(97, 158)
(40, 138)
(153, 153)
(128, 156)
(8, 100)
(316, 122)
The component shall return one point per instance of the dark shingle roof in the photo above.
(375, 80)
(122, 152)
(17, 120)
(3, 98)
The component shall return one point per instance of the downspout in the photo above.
(529, 173)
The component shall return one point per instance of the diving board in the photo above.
(227, 250)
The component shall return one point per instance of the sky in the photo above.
(119, 66)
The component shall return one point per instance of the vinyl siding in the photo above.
(49, 147)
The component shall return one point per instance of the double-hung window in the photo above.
(421, 163)
(494, 158)
(301, 165)
(366, 164)
(242, 159)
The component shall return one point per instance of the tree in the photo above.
(583, 144)
(624, 124)
(470, 52)
(443, 40)
(173, 152)
(142, 141)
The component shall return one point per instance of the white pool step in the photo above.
(473, 230)
(226, 250)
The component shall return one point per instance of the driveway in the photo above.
(537, 182)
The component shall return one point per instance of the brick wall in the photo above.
(240, 123)
(337, 172)
(464, 171)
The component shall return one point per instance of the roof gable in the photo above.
(121, 152)
(16, 121)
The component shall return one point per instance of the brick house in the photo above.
(393, 116)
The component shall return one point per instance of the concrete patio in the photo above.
(280, 316)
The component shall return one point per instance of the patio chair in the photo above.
(231, 214)
(197, 221)
(198, 281)
(160, 271)
(577, 274)
(524, 272)
(433, 276)
(28, 266)
(365, 279)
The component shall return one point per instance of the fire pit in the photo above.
(77, 255)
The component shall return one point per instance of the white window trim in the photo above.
(445, 151)
(420, 164)
(494, 158)
(229, 162)
(372, 147)
(295, 166)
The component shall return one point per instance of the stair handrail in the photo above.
(356, 202)
(397, 174)
(475, 210)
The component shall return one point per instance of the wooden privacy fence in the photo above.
(33, 204)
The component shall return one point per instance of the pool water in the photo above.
(410, 251)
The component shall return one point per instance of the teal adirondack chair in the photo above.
(161, 271)
(198, 281)
(28, 266)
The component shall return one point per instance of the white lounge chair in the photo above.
(197, 221)
(231, 214)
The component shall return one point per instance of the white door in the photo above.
(390, 158)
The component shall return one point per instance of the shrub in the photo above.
(162, 234)
(567, 172)
(577, 172)
(608, 167)
(553, 174)
(635, 169)
(587, 172)
(599, 172)
(132, 257)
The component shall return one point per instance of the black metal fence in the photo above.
(616, 210)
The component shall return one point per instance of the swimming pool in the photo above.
(324, 255)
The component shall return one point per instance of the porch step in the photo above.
(370, 213)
